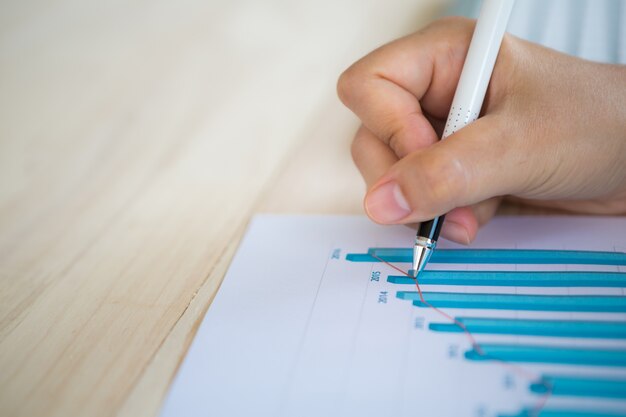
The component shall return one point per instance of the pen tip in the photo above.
(421, 255)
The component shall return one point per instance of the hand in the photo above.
(552, 131)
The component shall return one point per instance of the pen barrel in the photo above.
(430, 229)
(475, 75)
(478, 65)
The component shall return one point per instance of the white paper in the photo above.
(298, 330)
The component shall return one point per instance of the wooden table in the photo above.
(137, 138)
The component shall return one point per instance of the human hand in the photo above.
(552, 131)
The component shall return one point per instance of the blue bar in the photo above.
(551, 328)
(517, 278)
(590, 303)
(549, 354)
(553, 412)
(495, 256)
(581, 387)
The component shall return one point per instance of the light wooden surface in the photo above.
(136, 140)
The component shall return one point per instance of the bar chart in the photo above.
(549, 354)
(320, 316)
(551, 412)
(585, 387)
(517, 302)
(494, 256)
(553, 328)
(459, 293)
(517, 278)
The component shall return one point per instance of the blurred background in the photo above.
(103, 96)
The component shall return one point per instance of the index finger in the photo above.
(393, 87)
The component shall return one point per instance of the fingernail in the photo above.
(387, 204)
(456, 232)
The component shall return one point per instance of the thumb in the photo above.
(478, 162)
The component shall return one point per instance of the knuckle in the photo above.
(347, 83)
(448, 23)
(454, 21)
(394, 141)
(356, 149)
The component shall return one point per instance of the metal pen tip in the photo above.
(416, 258)
(421, 255)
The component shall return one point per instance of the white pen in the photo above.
(467, 102)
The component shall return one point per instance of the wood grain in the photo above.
(136, 140)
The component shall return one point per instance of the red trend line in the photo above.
(524, 373)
